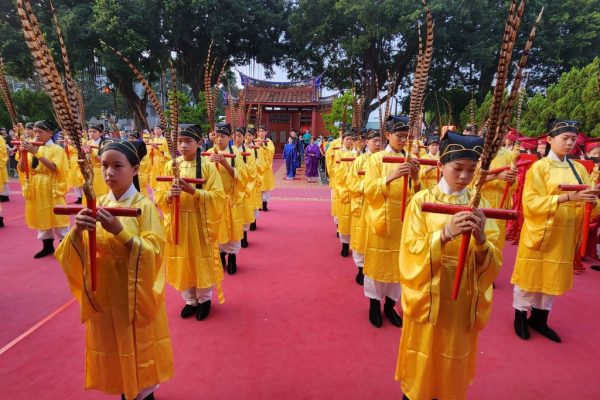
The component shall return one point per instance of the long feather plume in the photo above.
(81, 107)
(6, 96)
(173, 130)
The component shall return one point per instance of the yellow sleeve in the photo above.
(355, 182)
(3, 152)
(211, 197)
(376, 189)
(164, 148)
(162, 190)
(57, 155)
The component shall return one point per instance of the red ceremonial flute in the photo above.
(246, 154)
(496, 171)
(361, 173)
(226, 155)
(466, 237)
(347, 159)
(400, 160)
(193, 181)
(587, 215)
(574, 188)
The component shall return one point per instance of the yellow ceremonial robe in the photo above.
(261, 168)
(330, 158)
(342, 192)
(3, 162)
(383, 218)
(438, 346)
(45, 189)
(428, 175)
(74, 177)
(268, 152)
(158, 154)
(494, 190)
(195, 261)
(356, 186)
(100, 187)
(127, 337)
(250, 175)
(551, 232)
(144, 174)
(232, 225)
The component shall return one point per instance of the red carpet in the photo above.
(294, 325)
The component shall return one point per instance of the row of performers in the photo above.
(128, 348)
(418, 253)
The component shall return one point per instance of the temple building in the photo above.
(282, 106)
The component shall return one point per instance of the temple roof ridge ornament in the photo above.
(314, 82)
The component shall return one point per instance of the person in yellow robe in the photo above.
(128, 347)
(341, 168)
(268, 151)
(330, 164)
(94, 143)
(45, 187)
(74, 177)
(438, 346)
(231, 229)
(428, 174)
(250, 174)
(551, 231)
(355, 184)
(261, 168)
(145, 167)
(383, 190)
(193, 264)
(3, 171)
(159, 155)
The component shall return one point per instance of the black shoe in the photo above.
(264, 207)
(390, 312)
(253, 226)
(188, 310)
(245, 241)
(375, 313)
(404, 397)
(360, 277)
(1, 222)
(4, 199)
(203, 311)
(520, 324)
(223, 262)
(78, 201)
(150, 396)
(231, 264)
(46, 250)
(539, 322)
(345, 250)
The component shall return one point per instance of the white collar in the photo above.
(445, 188)
(127, 195)
(390, 149)
(97, 141)
(552, 156)
(49, 142)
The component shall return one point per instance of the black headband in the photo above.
(44, 125)
(194, 132)
(131, 150)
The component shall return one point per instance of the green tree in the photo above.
(341, 111)
(31, 106)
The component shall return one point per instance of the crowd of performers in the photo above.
(220, 192)
(410, 255)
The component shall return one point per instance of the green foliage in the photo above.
(334, 119)
(190, 113)
(31, 106)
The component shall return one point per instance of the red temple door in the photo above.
(279, 127)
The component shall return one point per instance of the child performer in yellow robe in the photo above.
(551, 231)
(128, 349)
(330, 154)
(428, 175)
(438, 347)
(231, 230)
(383, 189)
(249, 166)
(268, 182)
(356, 186)
(145, 168)
(94, 143)
(261, 168)
(74, 177)
(342, 192)
(193, 265)
(159, 155)
(45, 188)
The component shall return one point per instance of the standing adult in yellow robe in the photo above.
(145, 168)
(330, 153)
(383, 190)
(159, 155)
(341, 169)
(128, 348)
(45, 187)
(493, 189)
(94, 143)
(3, 171)
(193, 264)
(428, 174)
(250, 174)
(74, 178)
(356, 185)
(438, 346)
(261, 168)
(551, 231)
(268, 151)
(231, 229)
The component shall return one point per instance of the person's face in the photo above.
(595, 152)
(41, 135)
(290, 140)
(212, 136)
(157, 131)
(94, 133)
(433, 148)
(117, 172)
(222, 141)
(249, 138)
(262, 133)
(458, 173)
(312, 141)
(238, 138)
(541, 147)
(374, 145)
(397, 139)
(563, 144)
(187, 147)
(347, 142)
